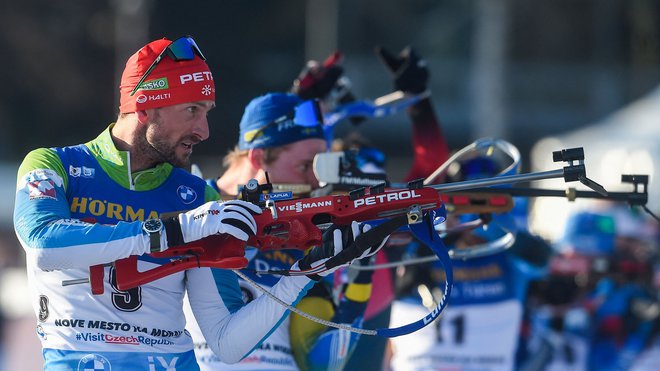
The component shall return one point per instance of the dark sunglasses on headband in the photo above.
(307, 114)
(181, 49)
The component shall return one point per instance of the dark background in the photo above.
(562, 63)
(512, 69)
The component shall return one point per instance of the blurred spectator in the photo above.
(598, 309)
(560, 318)
(483, 326)
(624, 319)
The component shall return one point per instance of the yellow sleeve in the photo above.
(303, 332)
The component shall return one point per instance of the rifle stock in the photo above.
(290, 224)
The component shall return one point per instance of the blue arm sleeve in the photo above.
(226, 282)
(50, 237)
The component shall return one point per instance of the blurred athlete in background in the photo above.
(481, 327)
(327, 82)
(280, 134)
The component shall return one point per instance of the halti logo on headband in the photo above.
(158, 84)
(144, 98)
(160, 96)
(196, 77)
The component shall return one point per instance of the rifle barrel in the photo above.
(634, 198)
(508, 179)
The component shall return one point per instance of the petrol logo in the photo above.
(196, 77)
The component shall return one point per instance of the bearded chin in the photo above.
(183, 162)
(168, 154)
(160, 151)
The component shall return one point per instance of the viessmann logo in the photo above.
(300, 206)
(385, 197)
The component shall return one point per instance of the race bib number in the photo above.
(483, 337)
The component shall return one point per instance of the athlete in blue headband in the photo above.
(280, 134)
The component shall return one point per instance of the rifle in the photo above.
(294, 223)
(339, 173)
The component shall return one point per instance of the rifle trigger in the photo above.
(270, 205)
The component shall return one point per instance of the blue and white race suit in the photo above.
(80, 206)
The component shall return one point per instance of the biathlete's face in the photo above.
(174, 130)
(293, 164)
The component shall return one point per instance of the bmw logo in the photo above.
(94, 362)
(186, 194)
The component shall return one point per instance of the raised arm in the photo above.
(410, 74)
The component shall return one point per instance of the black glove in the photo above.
(410, 72)
(327, 83)
(316, 80)
(338, 249)
(361, 276)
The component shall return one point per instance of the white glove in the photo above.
(232, 217)
(338, 249)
